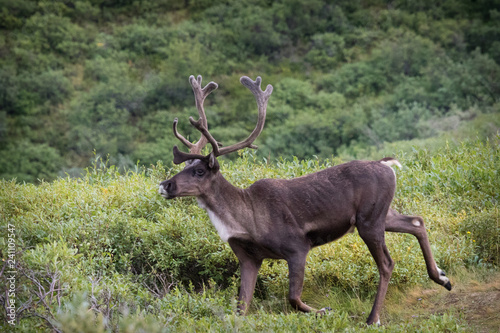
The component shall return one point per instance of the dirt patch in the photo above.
(480, 308)
(476, 303)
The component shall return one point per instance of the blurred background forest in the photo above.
(351, 78)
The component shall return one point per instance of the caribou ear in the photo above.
(180, 156)
(212, 162)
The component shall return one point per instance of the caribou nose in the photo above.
(167, 188)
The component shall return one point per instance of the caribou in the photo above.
(286, 218)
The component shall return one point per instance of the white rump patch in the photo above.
(391, 163)
(416, 223)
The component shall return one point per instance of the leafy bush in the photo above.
(52, 32)
(327, 51)
(483, 230)
(24, 160)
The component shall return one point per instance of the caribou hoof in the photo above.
(445, 282)
(447, 285)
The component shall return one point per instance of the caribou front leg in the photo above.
(414, 225)
(249, 267)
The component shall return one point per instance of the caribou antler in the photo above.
(199, 95)
(262, 97)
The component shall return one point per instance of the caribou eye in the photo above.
(199, 172)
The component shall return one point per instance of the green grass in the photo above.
(121, 258)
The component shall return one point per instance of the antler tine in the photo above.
(199, 95)
(262, 97)
(205, 133)
(180, 137)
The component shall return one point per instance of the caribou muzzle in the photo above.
(167, 189)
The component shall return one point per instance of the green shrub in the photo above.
(52, 32)
(327, 51)
(483, 230)
(28, 162)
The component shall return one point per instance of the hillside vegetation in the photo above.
(349, 77)
(97, 249)
(107, 253)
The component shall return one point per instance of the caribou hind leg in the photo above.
(296, 268)
(414, 225)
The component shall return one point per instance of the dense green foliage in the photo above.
(137, 261)
(352, 79)
(349, 76)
